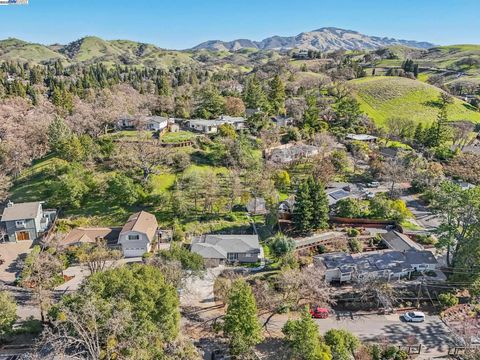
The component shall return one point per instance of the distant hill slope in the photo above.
(93, 49)
(384, 97)
(324, 39)
(18, 50)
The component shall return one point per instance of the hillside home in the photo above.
(138, 234)
(387, 265)
(217, 249)
(362, 137)
(282, 121)
(156, 123)
(25, 221)
(402, 257)
(211, 126)
(83, 235)
(289, 153)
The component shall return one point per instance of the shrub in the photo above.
(355, 245)
(351, 232)
(447, 300)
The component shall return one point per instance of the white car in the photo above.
(414, 316)
(373, 184)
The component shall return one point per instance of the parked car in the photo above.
(373, 184)
(319, 313)
(414, 316)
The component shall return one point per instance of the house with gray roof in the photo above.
(397, 241)
(402, 257)
(25, 221)
(288, 153)
(211, 126)
(217, 249)
(361, 137)
(387, 265)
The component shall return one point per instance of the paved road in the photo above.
(433, 334)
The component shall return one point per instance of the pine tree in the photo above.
(320, 207)
(311, 117)
(241, 323)
(58, 132)
(254, 96)
(277, 96)
(303, 210)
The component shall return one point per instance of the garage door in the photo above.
(134, 252)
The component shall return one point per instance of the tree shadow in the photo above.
(433, 103)
(434, 336)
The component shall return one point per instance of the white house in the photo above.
(156, 123)
(138, 234)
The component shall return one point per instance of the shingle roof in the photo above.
(22, 211)
(90, 235)
(217, 246)
(142, 222)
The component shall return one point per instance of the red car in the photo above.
(318, 312)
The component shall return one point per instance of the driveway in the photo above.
(424, 217)
(433, 334)
(13, 254)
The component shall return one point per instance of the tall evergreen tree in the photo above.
(58, 132)
(303, 210)
(254, 95)
(311, 117)
(277, 96)
(241, 323)
(320, 207)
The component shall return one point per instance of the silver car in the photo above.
(414, 316)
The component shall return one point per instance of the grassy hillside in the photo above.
(18, 50)
(93, 49)
(384, 97)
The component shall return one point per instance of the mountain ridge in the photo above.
(323, 39)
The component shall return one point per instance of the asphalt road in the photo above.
(433, 334)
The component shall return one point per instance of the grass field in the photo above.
(385, 97)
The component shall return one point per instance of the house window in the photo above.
(232, 256)
(133, 237)
(20, 223)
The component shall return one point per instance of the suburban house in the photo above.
(387, 265)
(126, 123)
(217, 249)
(138, 234)
(282, 121)
(156, 123)
(25, 221)
(291, 152)
(211, 126)
(151, 123)
(338, 191)
(402, 257)
(362, 137)
(83, 235)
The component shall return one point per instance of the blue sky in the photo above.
(179, 24)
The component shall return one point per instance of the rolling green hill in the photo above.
(94, 50)
(385, 97)
(18, 50)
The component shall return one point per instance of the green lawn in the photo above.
(384, 97)
(177, 137)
